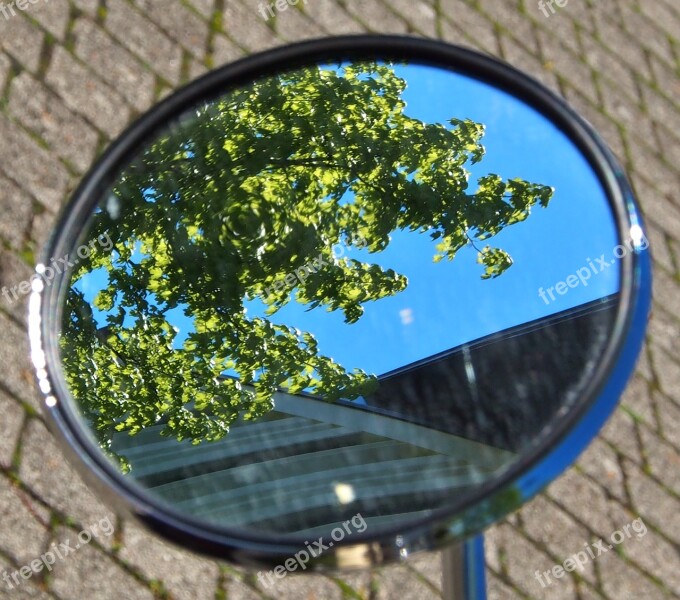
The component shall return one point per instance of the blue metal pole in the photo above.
(475, 568)
(464, 571)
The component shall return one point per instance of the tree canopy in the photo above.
(232, 200)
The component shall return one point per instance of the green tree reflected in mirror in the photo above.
(248, 199)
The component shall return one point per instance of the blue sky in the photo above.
(447, 303)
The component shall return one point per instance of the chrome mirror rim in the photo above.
(445, 525)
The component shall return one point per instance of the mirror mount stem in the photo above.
(463, 570)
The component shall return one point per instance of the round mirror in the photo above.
(370, 291)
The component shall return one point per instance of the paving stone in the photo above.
(74, 577)
(492, 540)
(513, 21)
(16, 207)
(669, 142)
(654, 556)
(31, 166)
(41, 229)
(196, 69)
(650, 187)
(663, 459)
(675, 253)
(114, 64)
(99, 533)
(293, 25)
(665, 179)
(22, 41)
(643, 366)
(399, 582)
(5, 67)
(633, 55)
(555, 31)
(620, 582)
(10, 428)
(45, 470)
(419, 14)
(376, 17)
(627, 529)
(224, 51)
(659, 187)
(361, 581)
(568, 12)
(613, 72)
(660, 246)
(602, 464)
(16, 374)
(661, 109)
(205, 7)
(24, 524)
(24, 590)
(654, 504)
(180, 23)
(669, 418)
(184, 575)
(645, 32)
(665, 75)
(85, 94)
(551, 527)
(518, 56)
(474, 25)
(497, 590)
(600, 12)
(664, 330)
(568, 66)
(302, 586)
(237, 590)
(12, 272)
(42, 112)
(662, 16)
(89, 7)
(164, 93)
(604, 126)
(637, 399)
(429, 565)
(332, 17)
(571, 94)
(667, 370)
(671, 4)
(247, 27)
(53, 16)
(145, 39)
(585, 592)
(627, 110)
(620, 432)
(523, 559)
(658, 208)
(586, 501)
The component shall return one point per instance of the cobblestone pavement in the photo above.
(73, 73)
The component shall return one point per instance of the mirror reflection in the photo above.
(340, 289)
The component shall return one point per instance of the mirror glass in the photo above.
(361, 288)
